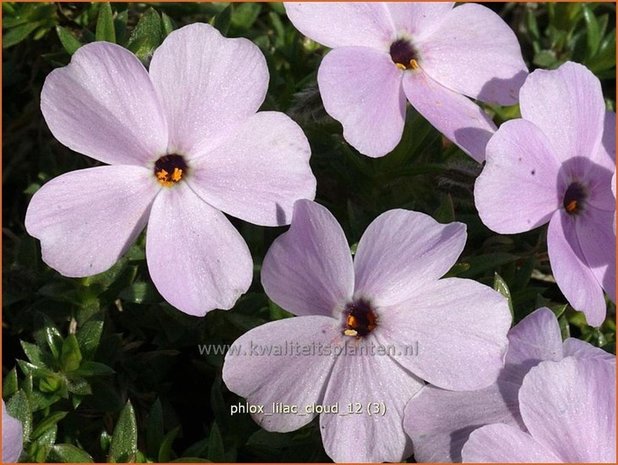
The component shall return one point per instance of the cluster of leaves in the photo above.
(101, 368)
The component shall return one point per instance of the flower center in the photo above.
(360, 319)
(169, 169)
(404, 55)
(574, 198)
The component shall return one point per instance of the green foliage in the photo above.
(104, 369)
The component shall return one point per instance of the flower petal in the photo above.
(12, 437)
(281, 362)
(597, 239)
(259, 172)
(457, 117)
(460, 328)
(197, 260)
(584, 350)
(606, 155)
(505, 444)
(401, 251)
(208, 85)
(573, 93)
(340, 24)
(361, 88)
(361, 383)
(570, 407)
(475, 53)
(416, 19)
(576, 281)
(308, 270)
(518, 188)
(103, 105)
(440, 421)
(87, 219)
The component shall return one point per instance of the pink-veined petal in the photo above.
(518, 188)
(87, 219)
(457, 117)
(284, 362)
(197, 260)
(573, 93)
(361, 384)
(501, 443)
(440, 421)
(418, 19)
(573, 276)
(460, 328)
(103, 105)
(208, 85)
(401, 251)
(597, 240)
(475, 53)
(308, 270)
(12, 437)
(341, 24)
(361, 88)
(259, 172)
(570, 407)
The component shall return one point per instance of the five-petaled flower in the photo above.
(431, 54)
(439, 422)
(556, 164)
(184, 143)
(391, 297)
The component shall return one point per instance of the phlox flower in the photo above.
(430, 54)
(440, 421)
(12, 437)
(555, 165)
(389, 297)
(185, 143)
(569, 411)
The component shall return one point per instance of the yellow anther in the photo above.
(571, 207)
(351, 332)
(413, 64)
(400, 66)
(177, 175)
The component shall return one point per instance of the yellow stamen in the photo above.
(400, 66)
(350, 332)
(571, 207)
(177, 175)
(162, 175)
(414, 64)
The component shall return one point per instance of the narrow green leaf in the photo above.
(105, 24)
(88, 337)
(222, 20)
(71, 356)
(165, 451)
(216, 451)
(10, 384)
(154, 429)
(33, 353)
(147, 35)
(49, 422)
(89, 368)
(68, 453)
(18, 407)
(40, 447)
(166, 24)
(501, 286)
(78, 385)
(18, 34)
(140, 293)
(123, 447)
(593, 34)
(68, 40)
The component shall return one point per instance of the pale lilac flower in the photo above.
(12, 437)
(440, 421)
(431, 54)
(569, 411)
(185, 143)
(390, 296)
(555, 165)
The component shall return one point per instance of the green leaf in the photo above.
(10, 384)
(89, 368)
(140, 293)
(49, 335)
(18, 34)
(501, 286)
(49, 422)
(33, 353)
(593, 34)
(71, 356)
(445, 213)
(147, 35)
(245, 14)
(124, 439)
(165, 451)
(88, 337)
(68, 453)
(18, 407)
(105, 24)
(154, 429)
(216, 452)
(40, 447)
(78, 385)
(222, 20)
(68, 40)
(166, 24)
